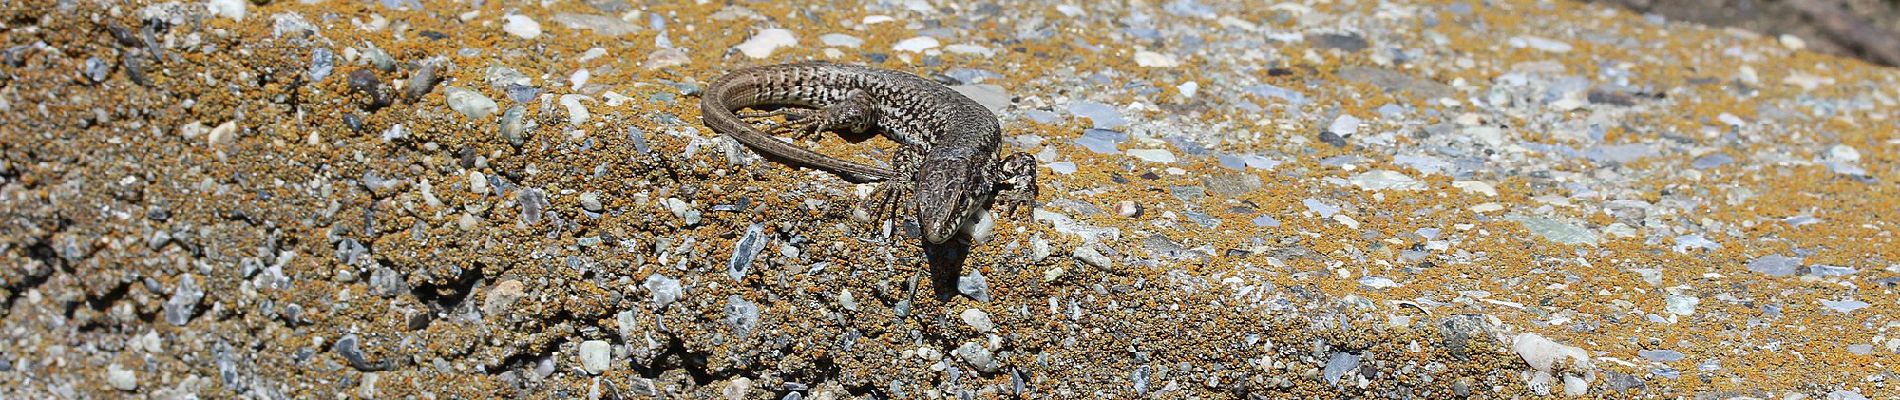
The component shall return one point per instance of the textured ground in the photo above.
(436, 199)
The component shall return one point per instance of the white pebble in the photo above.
(121, 379)
(223, 135)
(1153, 155)
(767, 41)
(595, 356)
(1127, 208)
(1544, 355)
(576, 112)
(521, 26)
(983, 228)
(1188, 89)
(916, 44)
(841, 40)
(1155, 60)
(233, 9)
(1345, 125)
(477, 183)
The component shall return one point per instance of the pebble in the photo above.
(1557, 231)
(590, 201)
(1089, 255)
(596, 356)
(1062, 167)
(667, 58)
(1377, 282)
(1538, 43)
(521, 26)
(1101, 141)
(978, 357)
(1844, 306)
(1276, 92)
(1842, 394)
(846, 300)
(1338, 364)
(576, 111)
(840, 40)
(469, 102)
(1319, 207)
(1345, 125)
(514, 125)
(745, 250)
(1380, 179)
(916, 44)
(223, 135)
(1685, 243)
(1775, 265)
(1826, 271)
(1127, 208)
(534, 205)
(502, 297)
(184, 301)
(665, 290)
(1543, 355)
(991, 97)
(975, 286)
(1266, 221)
(978, 320)
(683, 210)
(1680, 304)
(1153, 155)
(1102, 115)
(121, 379)
(322, 63)
(737, 388)
(421, 82)
(741, 316)
(1662, 356)
(601, 24)
(762, 45)
(477, 182)
(233, 9)
(1149, 59)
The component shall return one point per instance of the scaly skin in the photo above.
(949, 160)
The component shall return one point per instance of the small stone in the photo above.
(846, 300)
(121, 379)
(1338, 364)
(762, 45)
(502, 297)
(1662, 356)
(1102, 115)
(978, 320)
(1345, 125)
(469, 102)
(1544, 355)
(184, 301)
(1828, 271)
(978, 357)
(975, 286)
(743, 252)
(1844, 306)
(1100, 141)
(665, 290)
(477, 182)
(595, 356)
(1680, 304)
(1088, 255)
(1153, 155)
(534, 205)
(683, 210)
(737, 388)
(223, 135)
(741, 316)
(322, 63)
(840, 40)
(590, 201)
(1539, 43)
(667, 58)
(521, 26)
(916, 44)
(1380, 179)
(1557, 231)
(233, 9)
(1775, 265)
(1127, 208)
(1149, 59)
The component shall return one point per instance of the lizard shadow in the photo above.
(946, 266)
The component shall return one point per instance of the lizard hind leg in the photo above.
(854, 113)
(1017, 177)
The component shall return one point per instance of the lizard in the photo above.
(948, 157)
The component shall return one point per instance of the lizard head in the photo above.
(949, 186)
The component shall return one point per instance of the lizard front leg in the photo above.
(1016, 176)
(888, 198)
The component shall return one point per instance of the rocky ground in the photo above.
(472, 199)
